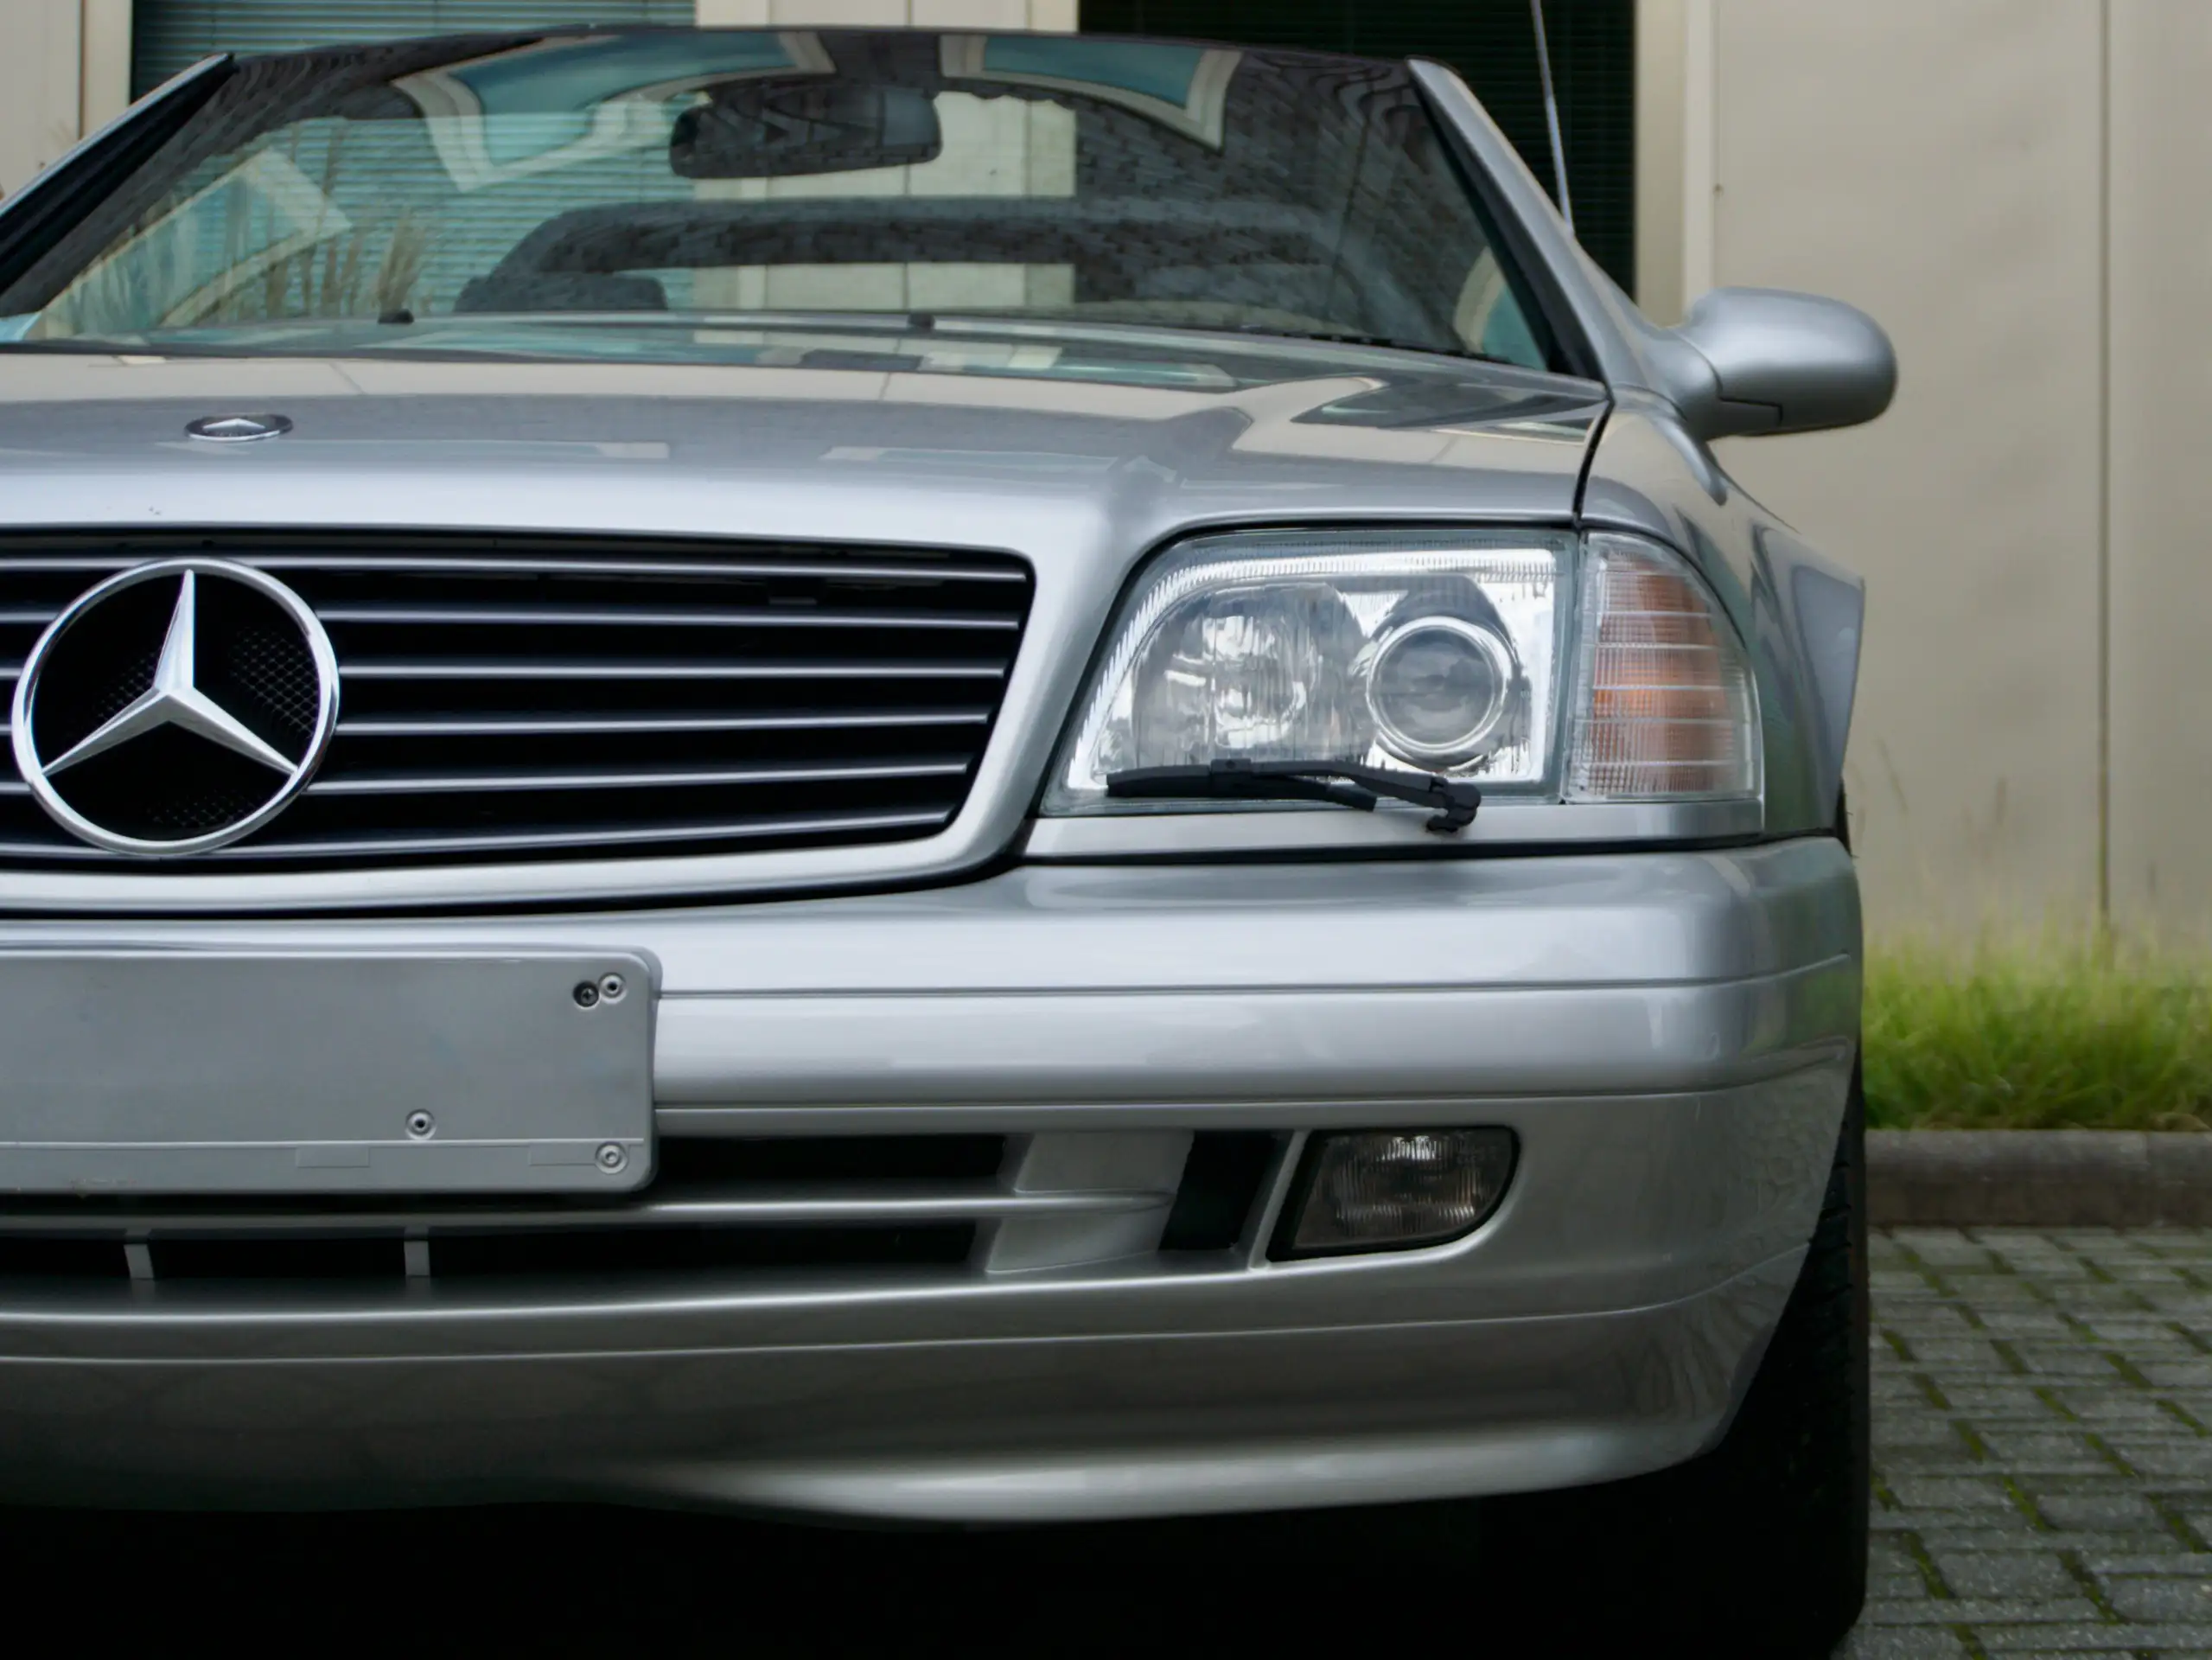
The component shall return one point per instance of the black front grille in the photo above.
(533, 698)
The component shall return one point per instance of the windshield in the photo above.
(595, 184)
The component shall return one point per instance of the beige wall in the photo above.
(1663, 33)
(65, 72)
(2161, 484)
(1943, 167)
(105, 81)
(41, 67)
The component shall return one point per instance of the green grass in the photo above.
(2050, 1035)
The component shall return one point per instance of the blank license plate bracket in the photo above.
(189, 1071)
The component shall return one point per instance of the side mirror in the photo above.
(1765, 359)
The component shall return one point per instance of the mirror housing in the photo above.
(777, 129)
(1765, 359)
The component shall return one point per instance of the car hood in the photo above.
(1040, 465)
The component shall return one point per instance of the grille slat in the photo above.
(812, 827)
(540, 669)
(549, 616)
(922, 569)
(527, 726)
(573, 696)
(699, 777)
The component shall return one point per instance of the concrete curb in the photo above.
(2039, 1178)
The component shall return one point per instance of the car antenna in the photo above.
(1552, 114)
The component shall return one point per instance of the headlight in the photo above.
(1427, 653)
(1417, 654)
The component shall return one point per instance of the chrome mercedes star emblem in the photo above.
(237, 429)
(185, 745)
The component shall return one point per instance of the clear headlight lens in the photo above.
(1419, 653)
(1663, 700)
(1441, 690)
(1429, 653)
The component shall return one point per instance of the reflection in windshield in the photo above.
(680, 171)
(766, 344)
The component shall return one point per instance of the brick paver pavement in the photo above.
(2042, 1445)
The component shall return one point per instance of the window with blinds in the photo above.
(1492, 43)
(168, 35)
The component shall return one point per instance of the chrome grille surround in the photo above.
(562, 697)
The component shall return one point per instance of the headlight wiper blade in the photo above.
(1342, 783)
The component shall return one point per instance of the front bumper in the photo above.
(1670, 1035)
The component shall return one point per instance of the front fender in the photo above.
(1800, 614)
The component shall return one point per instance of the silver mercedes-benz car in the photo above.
(948, 778)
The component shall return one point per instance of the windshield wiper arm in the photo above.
(1342, 783)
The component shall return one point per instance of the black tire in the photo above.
(1758, 1548)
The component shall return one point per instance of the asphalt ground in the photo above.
(2044, 1455)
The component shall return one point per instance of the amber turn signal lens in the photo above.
(1664, 708)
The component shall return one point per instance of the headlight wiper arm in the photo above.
(1342, 783)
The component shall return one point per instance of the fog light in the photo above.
(1392, 1190)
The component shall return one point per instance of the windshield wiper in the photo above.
(1339, 782)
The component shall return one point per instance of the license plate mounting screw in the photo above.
(611, 987)
(586, 995)
(612, 1157)
(420, 1124)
